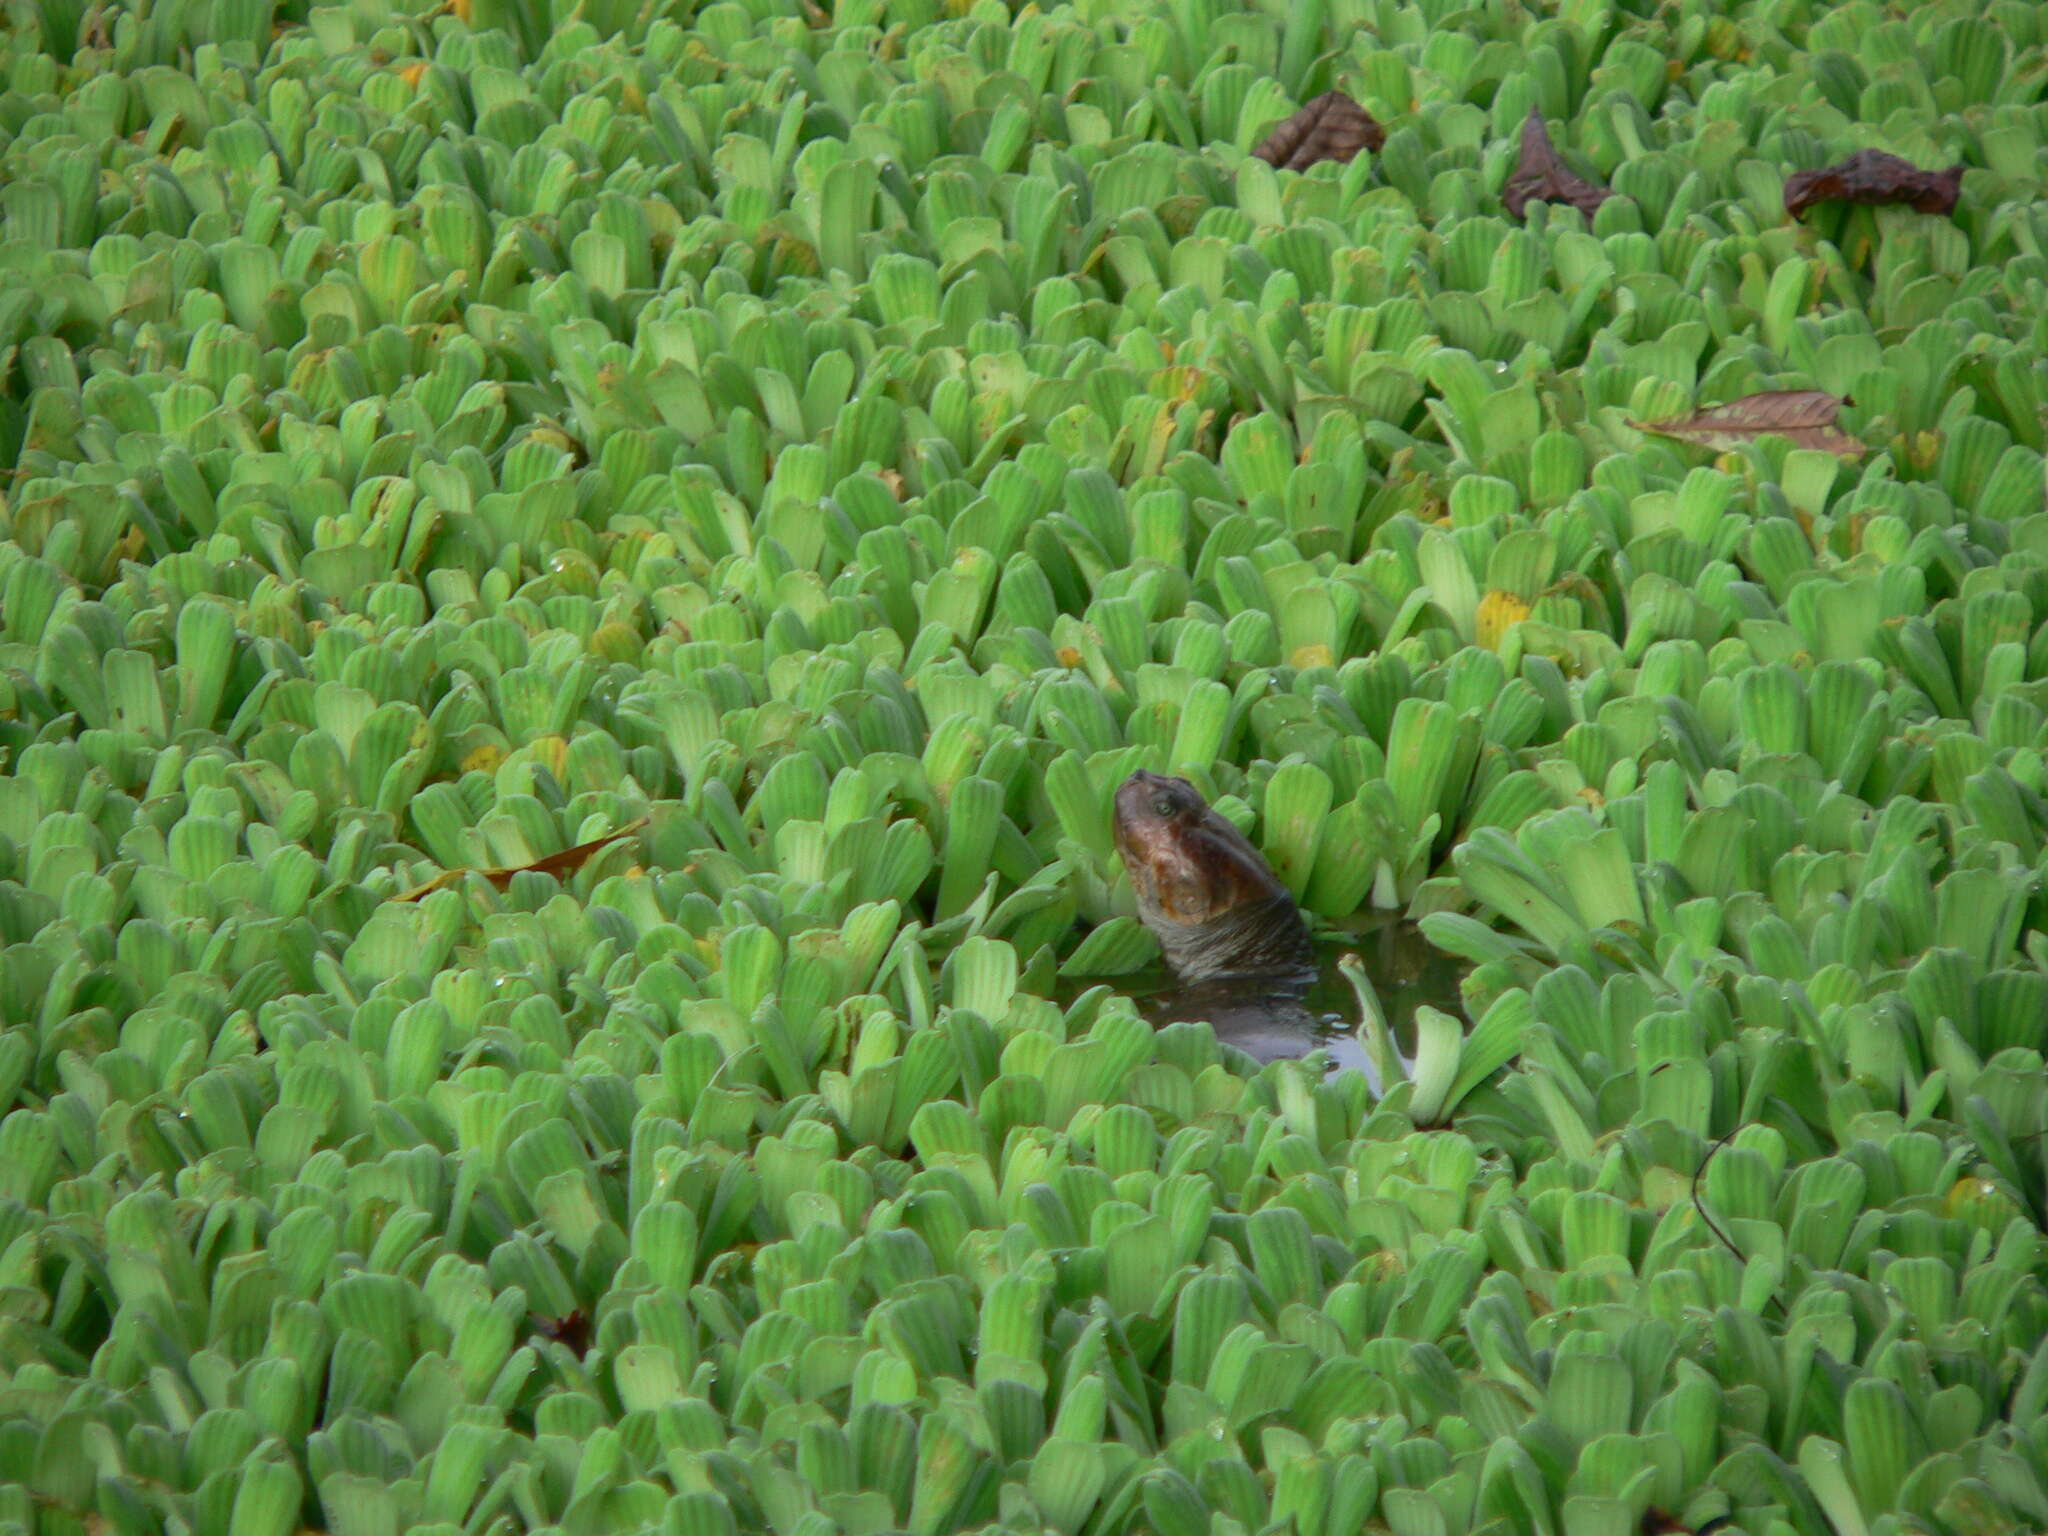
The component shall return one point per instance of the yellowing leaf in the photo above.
(485, 759)
(1314, 655)
(1499, 612)
(615, 642)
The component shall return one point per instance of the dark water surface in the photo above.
(1271, 1019)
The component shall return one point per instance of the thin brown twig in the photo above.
(1700, 1206)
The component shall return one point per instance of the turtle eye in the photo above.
(1162, 805)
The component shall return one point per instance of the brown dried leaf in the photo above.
(1541, 176)
(1806, 416)
(1332, 127)
(1872, 176)
(567, 862)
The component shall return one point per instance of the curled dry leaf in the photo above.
(1332, 127)
(567, 862)
(1806, 416)
(1541, 176)
(1872, 176)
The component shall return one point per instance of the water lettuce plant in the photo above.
(576, 580)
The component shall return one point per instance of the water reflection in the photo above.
(1272, 1019)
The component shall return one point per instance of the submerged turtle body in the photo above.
(1231, 933)
(1266, 1017)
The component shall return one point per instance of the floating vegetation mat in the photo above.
(577, 578)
